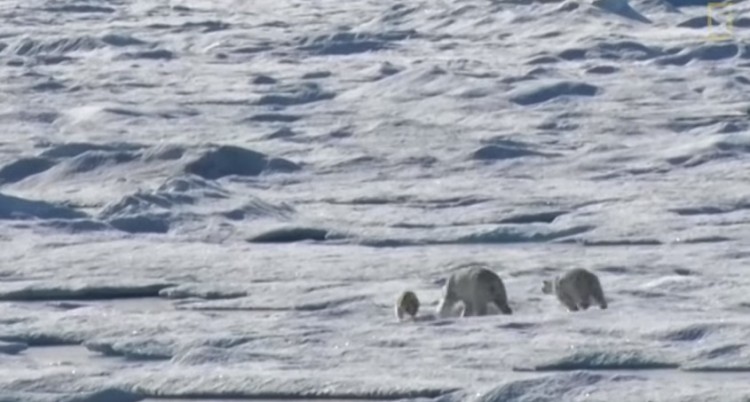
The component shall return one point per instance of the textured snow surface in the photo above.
(220, 199)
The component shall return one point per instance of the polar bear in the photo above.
(474, 286)
(575, 289)
(407, 303)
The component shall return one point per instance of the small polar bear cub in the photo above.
(474, 286)
(575, 289)
(407, 303)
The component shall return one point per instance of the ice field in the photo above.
(217, 200)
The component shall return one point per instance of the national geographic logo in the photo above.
(717, 13)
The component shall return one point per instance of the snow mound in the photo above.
(290, 235)
(348, 43)
(187, 350)
(709, 150)
(536, 93)
(135, 348)
(20, 208)
(80, 290)
(140, 224)
(23, 168)
(218, 383)
(522, 233)
(30, 47)
(211, 355)
(75, 225)
(93, 160)
(733, 357)
(533, 217)
(309, 303)
(301, 94)
(708, 52)
(689, 333)
(499, 152)
(66, 162)
(12, 348)
(107, 395)
(605, 360)
(208, 292)
(73, 149)
(698, 22)
(186, 202)
(229, 160)
(416, 235)
(561, 387)
(621, 8)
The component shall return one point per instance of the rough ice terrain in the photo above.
(219, 199)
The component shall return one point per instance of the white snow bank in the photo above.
(610, 359)
(225, 160)
(208, 292)
(110, 395)
(12, 348)
(185, 204)
(733, 357)
(219, 383)
(180, 183)
(20, 208)
(81, 289)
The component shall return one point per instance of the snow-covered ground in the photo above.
(223, 199)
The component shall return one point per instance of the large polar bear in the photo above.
(474, 286)
(575, 289)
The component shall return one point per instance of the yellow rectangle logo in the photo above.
(714, 10)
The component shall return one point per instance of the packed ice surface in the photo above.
(223, 199)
